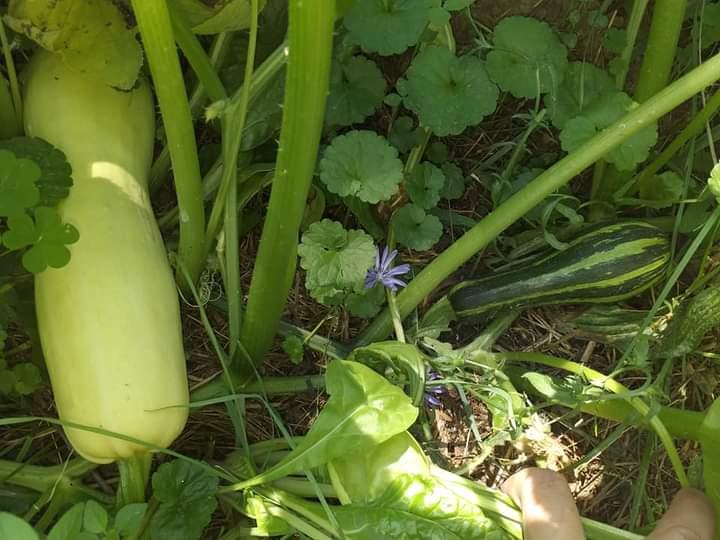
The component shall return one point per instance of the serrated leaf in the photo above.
(424, 185)
(416, 229)
(18, 189)
(52, 236)
(218, 16)
(448, 93)
(187, 496)
(528, 58)
(388, 26)
(361, 164)
(294, 347)
(357, 89)
(336, 260)
(582, 85)
(605, 110)
(93, 36)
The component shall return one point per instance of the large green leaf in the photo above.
(364, 410)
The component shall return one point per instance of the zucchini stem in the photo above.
(134, 476)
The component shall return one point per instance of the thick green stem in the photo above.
(9, 126)
(311, 25)
(667, 21)
(15, 99)
(267, 385)
(134, 476)
(40, 478)
(157, 35)
(710, 440)
(556, 176)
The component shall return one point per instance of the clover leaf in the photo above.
(528, 58)
(424, 185)
(583, 84)
(416, 229)
(448, 93)
(357, 89)
(21, 232)
(187, 501)
(605, 110)
(388, 26)
(361, 164)
(55, 178)
(51, 237)
(336, 260)
(18, 189)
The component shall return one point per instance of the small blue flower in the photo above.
(383, 271)
(433, 392)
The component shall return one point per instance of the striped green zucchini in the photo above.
(608, 262)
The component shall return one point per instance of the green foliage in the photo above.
(294, 347)
(336, 260)
(15, 528)
(690, 323)
(388, 26)
(454, 187)
(222, 16)
(661, 190)
(91, 37)
(366, 303)
(361, 164)
(55, 178)
(528, 58)
(70, 525)
(583, 84)
(404, 135)
(416, 229)
(604, 111)
(129, 518)
(357, 89)
(364, 409)
(49, 237)
(714, 182)
(21, 379)
(424, 185)
(448, 93)
(187, 501)
(18, 189)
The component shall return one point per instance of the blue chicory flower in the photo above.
(383, 271)
(433, 392)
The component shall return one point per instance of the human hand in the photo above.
(549, 511)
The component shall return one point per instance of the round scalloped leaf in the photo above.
(424, 185)
(416, 229)
(448, 93)
(605, 110)
(583, 84)
(388, 26)
(528, 57)
(361, 164)
(357, 89)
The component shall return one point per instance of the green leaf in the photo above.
(336, 260)
(93, 36)
(18, 189)
(597, 19)
(361, 164)
(366, 303)
(364, 409)
(7, 382)
(424, 185)
(357, 89)
(416, 229)
(710, 24)
(582, 85)
(27, 378)
(714, 182)
(187, 496)
(615, 40)
(95, 518)
(129, 518)
(55, 172)
(364, 475)
(69, 525)
(457, 5)
(414, 507)
(216, 16)
(602, 113)
(446, 92)
(665, 188)
(437, 152)
(528, 58)
(388, 26)
(52, 236)
(21, 232)
(454, 187)
(14, 528)
(294, 347)
(404, 135)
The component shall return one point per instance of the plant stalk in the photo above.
(134, 476)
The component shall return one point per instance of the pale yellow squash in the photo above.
(109, 321)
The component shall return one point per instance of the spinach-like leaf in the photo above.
(364, 410)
